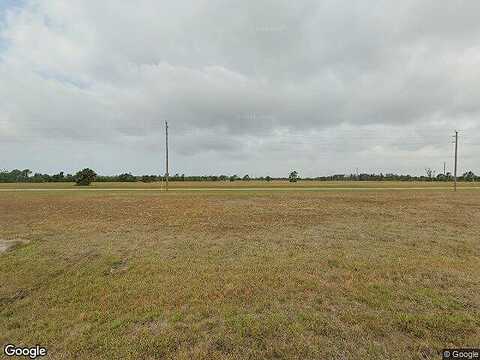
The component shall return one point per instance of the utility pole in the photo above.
(166, 155)
(456, 159)
(444, 168)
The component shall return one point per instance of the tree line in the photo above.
(86, 176)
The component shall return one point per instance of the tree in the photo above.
(233, 178)
(85, 177)
(268, 178)
(246, 178)
(58, 177)
(127, 177)
(442, 177)
(430, 173)
(26, 173)
(148, 178)
(469, 176)
(293, 177)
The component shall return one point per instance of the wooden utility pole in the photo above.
(456, 159)
(166, 155)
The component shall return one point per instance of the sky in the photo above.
(248, 86)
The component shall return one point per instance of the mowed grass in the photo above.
(241, 275)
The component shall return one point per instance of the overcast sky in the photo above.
(247, 86)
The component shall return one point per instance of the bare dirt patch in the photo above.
(6, 245)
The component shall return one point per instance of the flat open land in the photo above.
(252, 274)
(244, 185)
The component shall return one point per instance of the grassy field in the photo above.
(245, 184)
(241, 275)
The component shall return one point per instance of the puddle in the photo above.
(8, 244)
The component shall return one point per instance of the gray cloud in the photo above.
(257, 86)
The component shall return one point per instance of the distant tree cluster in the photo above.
(86, 176)
(430, 176)
(24, 176)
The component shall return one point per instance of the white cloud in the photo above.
(247, 86)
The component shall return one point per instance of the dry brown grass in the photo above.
(293, 275)
(256, 184)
